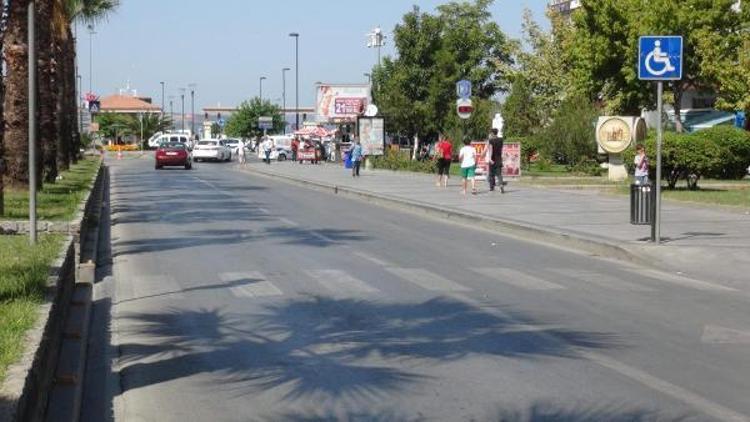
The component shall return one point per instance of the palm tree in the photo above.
(47, 95)
(16, 136)
(2, 126)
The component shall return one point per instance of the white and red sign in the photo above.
(341, 103)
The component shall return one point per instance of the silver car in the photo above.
(211, 149)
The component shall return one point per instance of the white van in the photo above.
(158, 138)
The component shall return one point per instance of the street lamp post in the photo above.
(295, 35)
(369, 77)
(91, 57)
(182, 98)
(376, 39)
(192, 108)
(162, 97)
(283, 94)
(171, 111)
(78, 103)
(262, 78)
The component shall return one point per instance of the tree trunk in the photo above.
(47, 127)
(2, 127)
(17, 96)
(63, 147)
(70, 105)
(678, 107)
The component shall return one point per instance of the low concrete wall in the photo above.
(23, 395)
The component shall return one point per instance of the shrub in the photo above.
(395, 161)
(722, 152)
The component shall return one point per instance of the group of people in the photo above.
(323, 151)
(467, 157)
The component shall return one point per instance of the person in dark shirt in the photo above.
(496, 161)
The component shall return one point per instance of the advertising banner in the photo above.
(511, 160)
(341, 103)
(371, 135)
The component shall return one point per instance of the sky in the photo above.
(225, 46)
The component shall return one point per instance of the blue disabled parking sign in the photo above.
(660, 58)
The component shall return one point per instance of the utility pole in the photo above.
(162, 97)
(295, 35)
(376, 39)
(192, 108)
(262, 78)
(283, 94)
(91, 58)
(182, 97)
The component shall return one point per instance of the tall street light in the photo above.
(262, 78)
(162, 97)
(369, 77)
(91, 57)
(192, 108)
(171, 111)
(283, 94)
(182, 97)
(376, 39)
(295, 35)
(79, 79)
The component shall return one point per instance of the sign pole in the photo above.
(32, 122)
(656, 237)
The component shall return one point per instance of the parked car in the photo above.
(173, 154)
(211, 149)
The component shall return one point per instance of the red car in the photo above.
(173, 154)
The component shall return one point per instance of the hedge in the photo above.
(721, 152)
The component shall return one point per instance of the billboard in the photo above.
(371, 131)
(341, 103)
(511, 160)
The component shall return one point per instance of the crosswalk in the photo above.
(344, 283)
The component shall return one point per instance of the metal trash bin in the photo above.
(642, 204)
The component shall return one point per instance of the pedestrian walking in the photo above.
(295, 148)
(241, 154)
(468, 158)
(267, 146)
(444, 155)
(495, 161)
(356, 158)
(641, 165)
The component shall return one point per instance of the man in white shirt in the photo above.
(267, 146)
(468, 158)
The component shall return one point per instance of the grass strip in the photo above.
(23, 277)
(55, 201)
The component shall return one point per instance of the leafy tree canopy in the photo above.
(244, 122)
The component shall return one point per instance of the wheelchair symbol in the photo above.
(658, 57)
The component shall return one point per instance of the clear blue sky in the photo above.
(224, 46)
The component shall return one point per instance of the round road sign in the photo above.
(464, 108)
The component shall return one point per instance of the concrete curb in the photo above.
(543, 235)
(64, 316)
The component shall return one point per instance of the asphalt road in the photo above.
(233, 297)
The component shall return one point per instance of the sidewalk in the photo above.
(704, 243)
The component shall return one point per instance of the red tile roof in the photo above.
(126, 103)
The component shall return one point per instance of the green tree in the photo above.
(244, 122)
(605, 48)
(146, 124)
(520, 110)
(416, 90)
(570, 138)
(733, 81)
(113, 125)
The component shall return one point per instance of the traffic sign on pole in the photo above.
(659, 59)
(464, 108)
(463, 89)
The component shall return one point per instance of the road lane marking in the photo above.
(691, 399)
(602, 280)
(288, 222)
(714, 334)
(427, 280)
(517, 278)
(249, 284)
(372, 258)
(338, 281)
(680, 280)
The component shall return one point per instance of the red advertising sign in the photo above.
(512, 159)
(349, 105)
